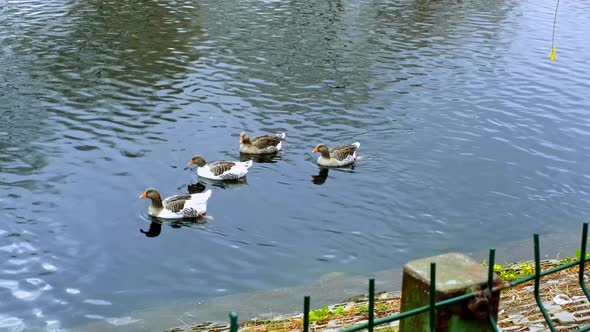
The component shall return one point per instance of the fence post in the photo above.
(432, 296)
(371, 304)
(456, 274)
(490, 285)
(233, 322)
(306, 313)
(583, 260)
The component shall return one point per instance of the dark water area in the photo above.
(471, 138)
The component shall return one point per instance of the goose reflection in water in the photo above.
(225, 184)
(261, 158)
(321, 177)
(195, 188)
(154, 231)
(156, 226)
(323, 174)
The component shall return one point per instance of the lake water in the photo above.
(471, 137)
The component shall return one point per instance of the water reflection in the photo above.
(261, 158)
(140, 43)
(232, 184)
(155, 227)
(321, 177)
(114, 70)
(196, 188)
(154, 230)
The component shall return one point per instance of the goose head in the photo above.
(154, 196)
(197, 160)
(244, 138)
(323, 149)
(150, 193)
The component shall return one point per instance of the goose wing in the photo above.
(220, 167)
(343, 152)
(263, 142)
(255, 138)
(176, 203)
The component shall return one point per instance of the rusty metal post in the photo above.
(456, 274)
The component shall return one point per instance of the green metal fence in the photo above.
(433, 305)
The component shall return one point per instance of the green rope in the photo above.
(553, 49)
(554, 21)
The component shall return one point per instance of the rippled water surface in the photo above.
(470, 137)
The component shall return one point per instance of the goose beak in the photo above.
(144, 195)
(315, 150)
(241, 139)
(190, 163)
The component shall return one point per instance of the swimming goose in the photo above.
(264, 144)
(338, 156)
(177, 206)
(221, 170)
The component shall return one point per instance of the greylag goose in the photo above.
(177, 206)
(338, 156)
(220, 170)
(264, 144)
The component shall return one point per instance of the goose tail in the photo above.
(247, 164)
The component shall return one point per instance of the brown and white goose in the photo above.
(264, 144)
(338, 156)
(220, 170)
(177, 206)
